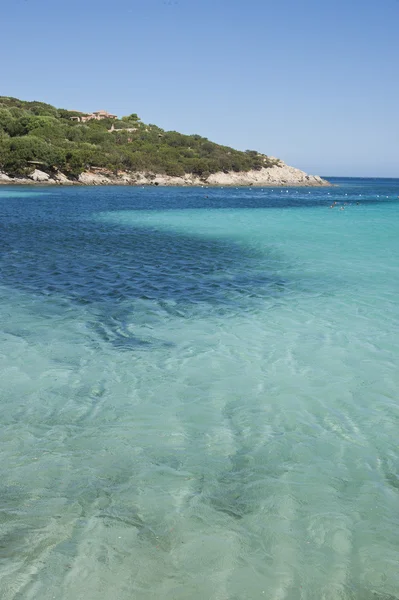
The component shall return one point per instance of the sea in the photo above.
(199, 393)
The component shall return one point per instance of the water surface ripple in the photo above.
(198, 393)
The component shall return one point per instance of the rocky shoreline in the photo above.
(278, 175)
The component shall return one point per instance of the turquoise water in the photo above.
(199, 393)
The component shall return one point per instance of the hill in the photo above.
(39, 138)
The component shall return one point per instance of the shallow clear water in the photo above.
(198, 393)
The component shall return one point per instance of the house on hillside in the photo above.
(97, 115)
(102, 114)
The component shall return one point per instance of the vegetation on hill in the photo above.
(38, 135)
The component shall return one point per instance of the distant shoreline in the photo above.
(29, 183)
(280, 175)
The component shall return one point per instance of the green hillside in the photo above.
(35, 134)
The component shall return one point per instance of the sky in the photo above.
(315, 83)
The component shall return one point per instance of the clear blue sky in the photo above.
(315, 83)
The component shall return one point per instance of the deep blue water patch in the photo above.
(51, 245)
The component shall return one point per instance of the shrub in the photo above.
(38, 131)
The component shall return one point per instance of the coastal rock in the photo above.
(61, 178)
(168, 180)
(89, 178)
(278, 175)
(4, 178)
(39, 176)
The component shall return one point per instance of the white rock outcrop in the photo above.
(61, 178)
(39, 176)
(278, 175)
(89, 178)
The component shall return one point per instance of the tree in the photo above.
(133, 118)
(21, 150)
(6, 120)
(174, 169)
